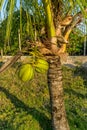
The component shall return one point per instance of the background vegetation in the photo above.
(28, 18)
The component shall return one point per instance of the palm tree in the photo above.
(59, 121)
(59, 30)
(59, 25)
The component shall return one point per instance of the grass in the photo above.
(25, 106)
(75, 88)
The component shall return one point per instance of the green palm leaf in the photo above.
(9, 21)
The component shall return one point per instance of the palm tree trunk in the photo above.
(59, 121)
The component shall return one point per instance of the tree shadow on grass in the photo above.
(76, 93)
(5, 125)
(40, 117)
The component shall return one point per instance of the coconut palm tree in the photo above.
(59, 29)
(60, 23)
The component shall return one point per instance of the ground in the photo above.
(25, 106)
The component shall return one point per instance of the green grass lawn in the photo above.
(75, 90)
(25, 106)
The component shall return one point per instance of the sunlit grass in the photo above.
(25, 106)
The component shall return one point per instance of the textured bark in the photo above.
(59, 121)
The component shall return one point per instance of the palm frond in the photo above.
(82, 4)
(1, 4)
(21, 18)
(9, 21)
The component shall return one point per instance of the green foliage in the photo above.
(29, 20)
(2, 33)
(76, 43)
(9, 21)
